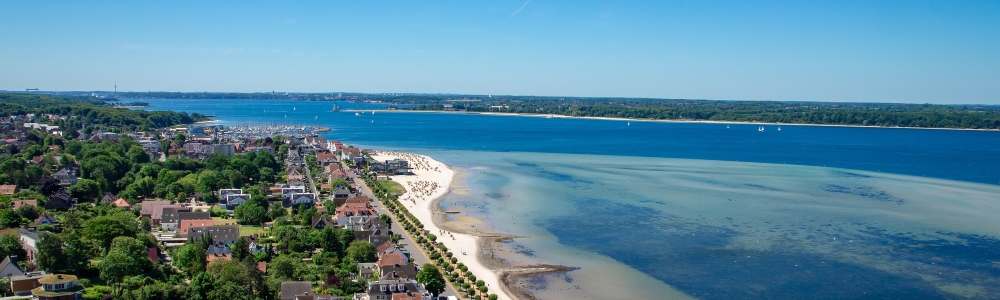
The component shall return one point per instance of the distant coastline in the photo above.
(664, 120)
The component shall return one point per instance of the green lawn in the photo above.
(392, 186)
(246, 230)
(220, 221)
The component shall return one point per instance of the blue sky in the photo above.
(883, 51)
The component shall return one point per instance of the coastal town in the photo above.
(206, 211)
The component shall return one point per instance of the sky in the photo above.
(870, 51)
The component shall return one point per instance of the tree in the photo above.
(127, 257)
(432, 279)
(241, 248)
(9, 218)
(86, 190)
(28, 212)
(362, 252)
(286, 267)
(276, 211)
(250, 213)
(104, 229)
(78, 251)
(50, 253)
(191, 258)
(10, 244)
(48, 185)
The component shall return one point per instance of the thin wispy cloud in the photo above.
(519, 9)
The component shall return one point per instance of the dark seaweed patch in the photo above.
(864, 192)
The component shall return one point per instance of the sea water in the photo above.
(671, 210)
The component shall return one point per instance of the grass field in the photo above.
(246, 230)
(392, 186)
(221, 221)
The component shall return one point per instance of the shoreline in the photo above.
(478, 246)
(554, 116)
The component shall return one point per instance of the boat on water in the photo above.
(727, 126)
(629, 124)
(761, 129)
(779, 128)
(336, 108)
(357, 114)
(293, 108)
(317, 117)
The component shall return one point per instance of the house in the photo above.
(226, 234)
(149, 145)
(108, 198)
(359, 199)
(342, 193)
(222, 149)
(398, 166)
(320, 222)
(367, 270)
(147, 207)
(326, 156)
(291, 288)
(121, 203)
(58, 287)
(300, 199)
(392, 257)
(9, 268)
(59, 201)
(171, 216)
(8, 189)
(184, 227)
(46, 219)
(396, 272)
(36, 160)
(218, 250)
(395, 289)
(66, 176)
(29, 241)
(355, 209)
(231, 201)
(287, 192)
(18, 203)
(22, 285)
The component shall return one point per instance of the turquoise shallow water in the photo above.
(653, 209)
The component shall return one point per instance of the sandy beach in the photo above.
(431, 181)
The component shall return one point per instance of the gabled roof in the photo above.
(122, 203)
(291, 288)
(18, 203)
(8, 189)
(149, 206)
(184, 227)
(407, 271)
(220, 233)
(392, 257)
(46, 217)
(10, 269)
(325, 220)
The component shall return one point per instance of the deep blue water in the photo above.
(972, 156)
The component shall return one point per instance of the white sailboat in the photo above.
(317, 117)
(293, 108)
(761, 129)
(779, 128)
(629, 124)
(727, 126)
(373, 121)
(356, 114)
